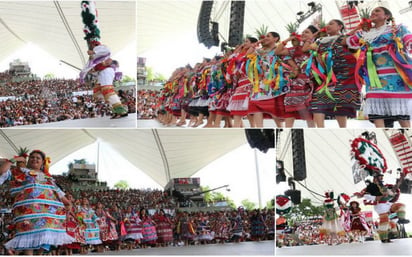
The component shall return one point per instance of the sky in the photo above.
(187, 50)
(42, 63)
(236, 169)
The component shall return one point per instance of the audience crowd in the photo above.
(148, 103)
(32, 101)
(129, 215)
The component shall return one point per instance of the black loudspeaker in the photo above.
(298, 154)
(280, 172)
(294, 195)
(406, 187)
(262, 139)
(237, 18)
(206, 35)
(215, 33)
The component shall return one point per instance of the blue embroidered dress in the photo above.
(388, 94)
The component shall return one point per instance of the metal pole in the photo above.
(258, 179)
(98, 158)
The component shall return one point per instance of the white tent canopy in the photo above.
(328, 159)
(161, 154)
(161, 21)
(56, 27)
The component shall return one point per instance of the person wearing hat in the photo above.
(359, 227)
(331, 226)
(384, 198)
(101, 63)
(39, 205)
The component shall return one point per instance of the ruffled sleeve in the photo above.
(5, 176)
(354, 40)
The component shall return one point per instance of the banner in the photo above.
(350, 16)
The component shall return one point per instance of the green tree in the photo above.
(304, 211)
(149, 73)
(207, 197)
(49, 76)
(127, 78)
(159, 77)
(249, 205)
(269, 204)
(231, 203)
(121, 184)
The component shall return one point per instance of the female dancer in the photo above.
(39, 205)
(236, 70)
(300, 85)
(107, 226)
(337, 93)
(385, 68)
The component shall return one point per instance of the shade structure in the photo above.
(56, 27)
(160, 153)
(160, 21)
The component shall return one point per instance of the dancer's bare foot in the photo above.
(181, 123)
(197, 124)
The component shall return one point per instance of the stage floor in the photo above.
(398, 247)
(268, 123)
(100, 122)
(245, 248)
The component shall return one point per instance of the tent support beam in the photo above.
(9, 141)
(162, 154)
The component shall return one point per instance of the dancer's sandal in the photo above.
(119, 116)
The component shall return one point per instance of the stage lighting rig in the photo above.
(405, 10)
(303, 16)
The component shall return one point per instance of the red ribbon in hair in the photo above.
(297, 36)
(366, 23)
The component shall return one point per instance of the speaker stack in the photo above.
(237, 17)
(298, 154)
(294, 195)
(207, 31)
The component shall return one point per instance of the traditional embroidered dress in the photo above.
(106, 226)
(75, 228)
(203, 230)
(106, 74)
(236, 73)
(39, 214)
(300, 88)
(265, 73)
(330, 219)
(149, 231)
(237, 226)
(185, 228)
(92, 231)
(222, 91)
(337, 94)
(384, 207)
(199, 103)
(358, 222)
(388, 82)
(133, 225)
(257, 226)
(163, 229)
